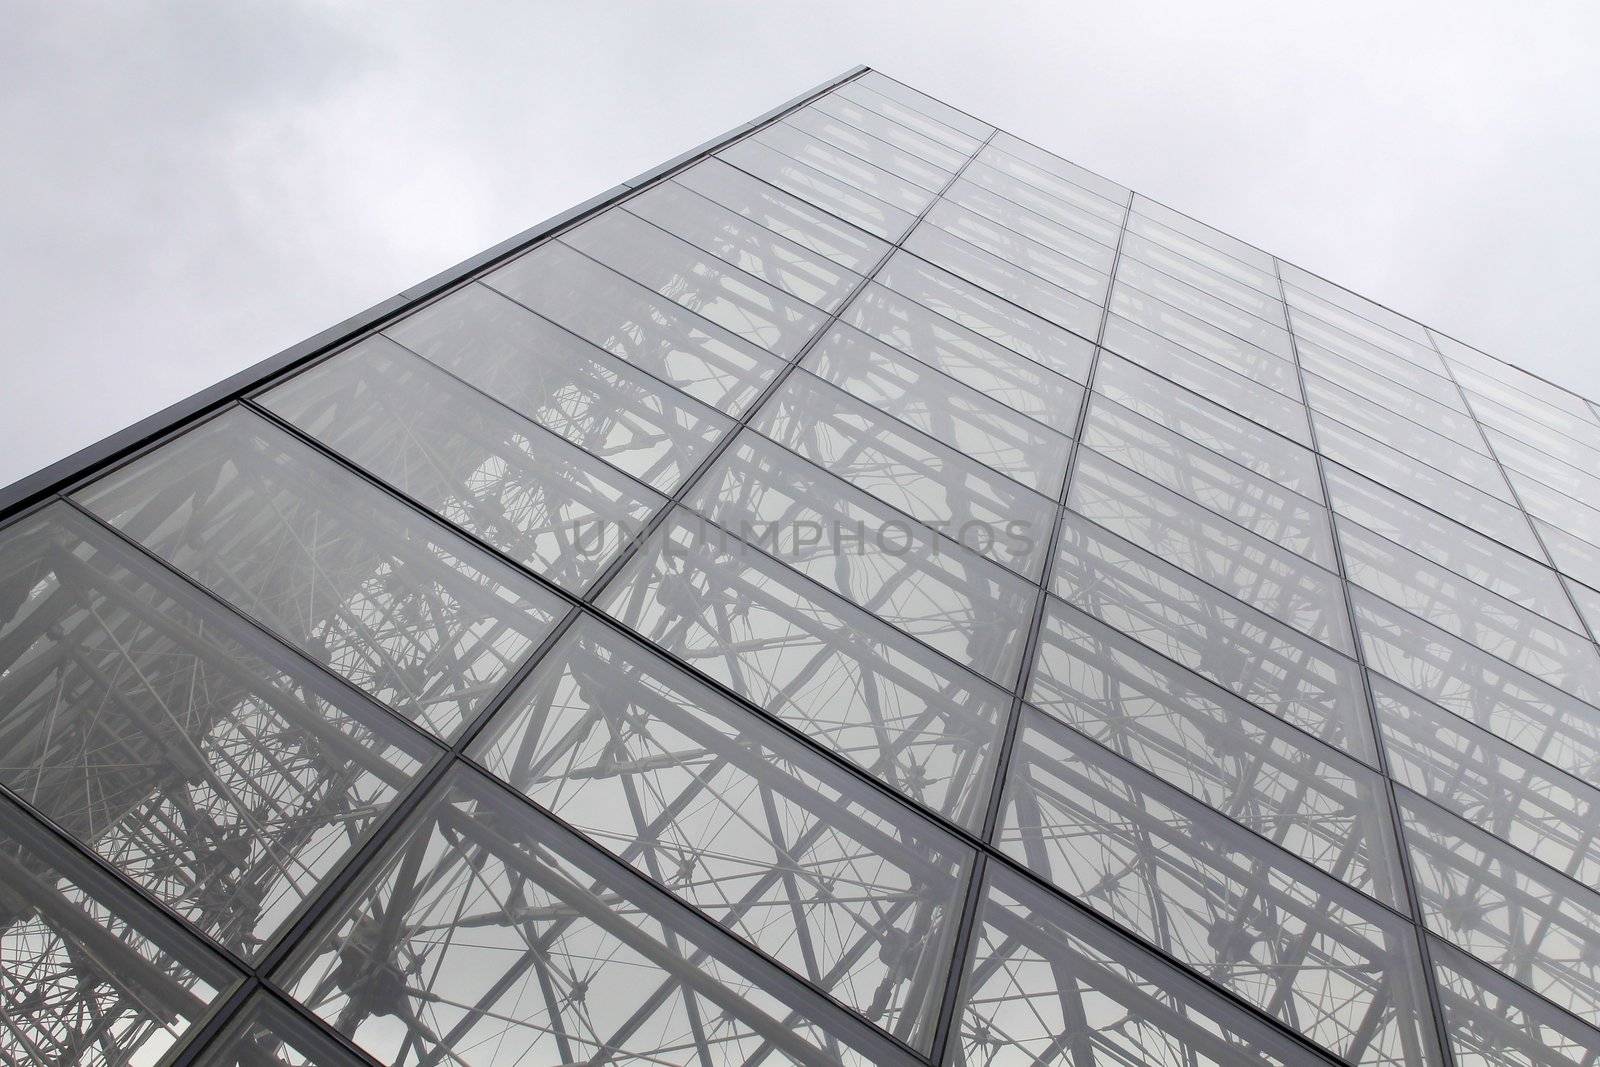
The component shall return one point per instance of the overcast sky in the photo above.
(188, 188)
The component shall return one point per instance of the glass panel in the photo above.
(265, 1033)
(92, 977)
(1172, 361)
(1363, 398)
(783, 214)
(867, 147)
(1241, 496)
(1048, 183)
(1019, 251)
(1570, 419)
(1542, 502)
(967, 420)
(1213, 282)
(1463, 550)
(488, 935)
(528, 493)
(671, 267)
(226, 776)
(972, 610)
(1416, 351)
(1047, 985)
(841, 167)
(1061, 168)
(1236, 561)
(900, 712)
(1030, 224)
(1509, 911)
(1537, 434)
(925, 104)
(1573, 555)
(908, 470)
(1422, 445)
(1199, 231)
(1588, 601)
(985, 314)
(968, 357)
(1353, 366)
(1461, 355)
(745, 245)
(1493, 1023)
(740, 820)
(632, 323)
(1313, 801)
(1498, 787)
(1558, 474)
(898, 134)
(1378, 348)
(999, 276)
(1266, 368)
(1205, 307)
(1257, 277)
(1208, 424)
(1494, 624)
(363, 585)
(1439, 491)
(599, 403)
(1102, 228)
(1295, 678)
(823, 190)
(871, 94)
(1329, 293)
(1533, 715)
(1324, 959)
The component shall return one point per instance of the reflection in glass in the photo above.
(1312, 800)
(612, 312)
(1047, 985)
(1515, 914)
(1250, 653)
(265, 1033)
(89, 976)
(781, 846)
(224, 774)
(896, 709)
(550, 506)
(956, 601)
(1322, 958)
(382, 596)
(599, 403)
(488, 935)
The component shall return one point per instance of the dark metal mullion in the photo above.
(1408, 878)
(1008, 739)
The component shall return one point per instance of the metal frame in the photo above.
(241, 389)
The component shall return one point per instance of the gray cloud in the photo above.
(191, 187)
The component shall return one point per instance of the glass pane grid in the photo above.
(874, 668)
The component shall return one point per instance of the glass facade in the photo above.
(870, 592)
